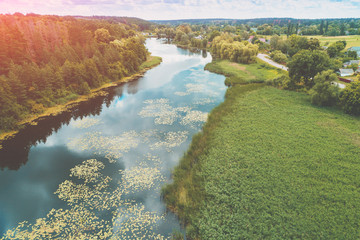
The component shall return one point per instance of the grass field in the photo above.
(270, 165)
(238, 73)
(351, 41)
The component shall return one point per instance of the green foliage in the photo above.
(353, 66)
(199, 43)
(278, 56)
(350, 98)
(297, 43)
(224, 47)
(282, 81)
(325, 92)
(334, 49)
(252, 174)
(54, 62)
(152, 61)
(294, 44)
(306, 64)
(335, 64)
(83, 88)
(352, 54)
(213, 35)
(238, 73)
(277, 43)
(102, 35)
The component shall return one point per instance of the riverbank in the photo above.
(238, 73)
(151, 62)
(269, 164)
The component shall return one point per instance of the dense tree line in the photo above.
(47, 60)
(288, 26)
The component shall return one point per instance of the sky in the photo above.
(188, 9)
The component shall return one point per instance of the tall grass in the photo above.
(269, 165)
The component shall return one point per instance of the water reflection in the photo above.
(14, 152)
(139, 127)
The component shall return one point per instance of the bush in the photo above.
(324, 92)
(282, 81)
(278, 56)
(350, 98)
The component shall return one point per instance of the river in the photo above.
(135, 136)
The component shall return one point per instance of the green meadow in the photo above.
(351, 40)
(270, 165)
(238, 73)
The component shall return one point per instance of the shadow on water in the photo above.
(15, 151)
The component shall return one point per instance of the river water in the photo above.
(135, 135)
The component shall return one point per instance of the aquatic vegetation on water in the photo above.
(141, 178)
(194, 117)
(166, 114)
(134, 222)
(93, 198)
(161, 110)
(171, 140)
(112, 147)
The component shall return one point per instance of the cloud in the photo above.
(92, 2)
(180, 9)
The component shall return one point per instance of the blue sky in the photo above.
(184, 9)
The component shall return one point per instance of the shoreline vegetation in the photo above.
(268, 164)
(151, 62)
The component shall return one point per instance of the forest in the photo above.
(49, 60)
(270, 26)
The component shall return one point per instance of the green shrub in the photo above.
(324, 92)
(350, 98)
(278, 56)
(281, 81)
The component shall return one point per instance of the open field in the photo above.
(352, 40)
(270, 165)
